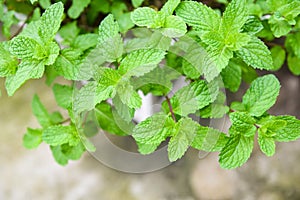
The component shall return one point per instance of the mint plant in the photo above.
(112, 52)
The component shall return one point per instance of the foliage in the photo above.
(88, 42)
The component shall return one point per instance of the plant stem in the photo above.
(170, 108)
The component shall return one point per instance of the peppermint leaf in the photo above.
(32, 139)
(57, 135)
(278, 55)
(77, 8)
(236, 151)
(232, 76)
(182, 138)
(242, 123)
(209, 139)
(256, 54)
(266, 144)
(63, 95)
(153, 130)
(50, 21)
(261, 95)
(198, 15)
(26, 70)
(170, 6)
(141, 61)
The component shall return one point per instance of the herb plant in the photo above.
(112, 51)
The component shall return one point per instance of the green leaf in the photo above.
(24, 47)
(154, 129)
(110, 42)
(105, 117)
(174, 27)
(58, 155)
(253, 25)
(209, 139)
(77, 8)
(63, 95)
(57, 135)
(128, 95)
(32, 139)
(182, 138)
(122, 110)
(261, 95)
(236, 151)
(8, 63)
(137, 3)
(40, 112)
(256, 54)
(232, 76)
(69, 32)
(67, 63)
(278, 55)
(235, 16)
(85, 41)
(147, 148)
(50, 21)
(8, 20)
(279, 26)
(141, 61)
(290, 132)
(242, 123)
(170, 6)
(108, 28)
(217, 109)
(293, 64)
(45, 3)
(266, 144)
(73, 152)
(199, 16)
(217, 59)
(148, 17)
(27, 70)
(292, 43)
(191, 98)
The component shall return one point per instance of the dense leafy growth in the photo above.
(113, 51)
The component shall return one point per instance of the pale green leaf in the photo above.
(24, 47)
(261, 95)
(63, 95)
(73, 152)
(77, 8)
(256, 54)
(128, 95)
(294, 64)
(170, 6)
(26, 70)
(174, 27)
(148, 17)
(85, 41)
(69, 32)
(232, 76)
(235, 16)
(242, 123)
(40, 112)
(108, 28)
(292, 41)
(137, 3)
(266, 144)
(153, 130)
(141, 61)
(67, 63)
(50, 21)
(32, 139)
(106, 121)
(58, 155)
(253, 25)
(8, 62)
(279, 27)
(236, 151)
(290, 132)
(199, 16)
(191, 98)
(182, 139)
(209, 139)
(278, 55)
(57, 135)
